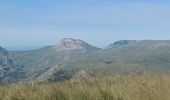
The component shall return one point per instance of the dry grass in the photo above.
(143, 87)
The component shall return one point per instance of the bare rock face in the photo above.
(69, 44)
(5, 60)
(9, 68)
(55, 73)
(118, 43)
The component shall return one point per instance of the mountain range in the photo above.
(120, 57)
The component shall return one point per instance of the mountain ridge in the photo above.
(123, 56)
(67, 49)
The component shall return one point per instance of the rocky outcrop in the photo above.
(55, 73)
(9, 68)
(80, 75)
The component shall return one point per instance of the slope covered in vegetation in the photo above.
(138, 87)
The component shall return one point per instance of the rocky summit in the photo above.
(69, 44)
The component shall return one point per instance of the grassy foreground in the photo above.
(142, 87)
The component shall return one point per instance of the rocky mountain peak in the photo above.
(70, 44)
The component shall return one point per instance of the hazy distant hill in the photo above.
(127, 56)
(66, 50)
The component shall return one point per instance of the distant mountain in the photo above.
(9, 69)
(118, 43)
(127, 56)
(77, 56)
(67, 50)
(69, 44)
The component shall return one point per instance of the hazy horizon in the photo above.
(26, 25)
(22, 48)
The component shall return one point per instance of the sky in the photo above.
(31, 24)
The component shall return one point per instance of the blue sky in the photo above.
(29, 24)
